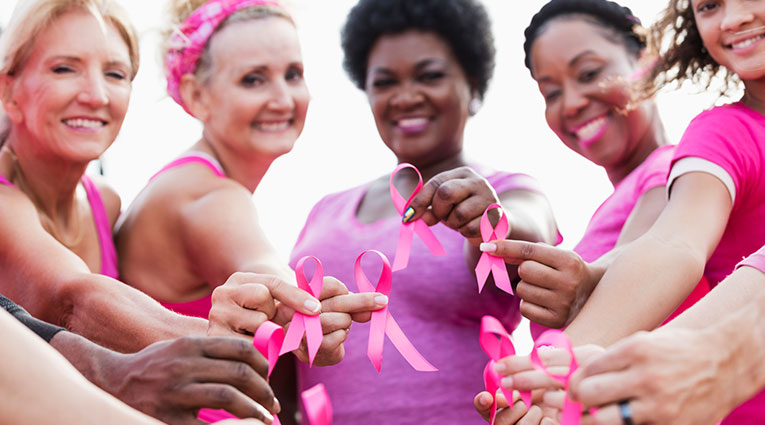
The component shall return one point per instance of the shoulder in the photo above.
(110, 198)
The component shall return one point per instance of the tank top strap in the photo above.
(109, 266)
(4, 181)
(194, 157)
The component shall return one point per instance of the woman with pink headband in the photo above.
(236, 66)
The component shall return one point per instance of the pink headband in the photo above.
(189, 40)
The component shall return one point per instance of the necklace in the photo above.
(17, 177)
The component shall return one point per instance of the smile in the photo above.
(591, 131)
(743, 44)
(412, 125)
(273, 126)
(84, 123)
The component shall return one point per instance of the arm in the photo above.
(652, 275)
(55, 285)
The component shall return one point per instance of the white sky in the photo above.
(340, 148)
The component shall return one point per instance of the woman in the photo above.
(424, 67)
(65, 76)
(243, 80)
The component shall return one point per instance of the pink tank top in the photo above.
(199, 307)
(103, 226)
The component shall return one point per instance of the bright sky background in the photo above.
(340, 148)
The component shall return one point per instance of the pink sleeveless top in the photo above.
(199, 307)
(103, 226)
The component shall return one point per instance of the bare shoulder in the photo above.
(110, 198)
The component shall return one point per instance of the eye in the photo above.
(589, 75)
(551, 95)
(252, 80)
(383, 82)
(431, 76)
(116, 75)
(706, 6)
(294, 74)
(62, 69)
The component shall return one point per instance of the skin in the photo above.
(34, 371)
(75, 70)
(419, 96)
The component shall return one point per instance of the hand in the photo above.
(339, 309)
(518, 414)
(458, 198)
(672, 376)
(555, 282)
(172, 380)
(247, 300)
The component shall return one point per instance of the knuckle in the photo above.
(444, 191)
(527, 250)
(221, 394)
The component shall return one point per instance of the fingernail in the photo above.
(277, 405)
(381, 300)
(507, 382)
(408, 214)
(488, 247)
(312, 305)
(265, 412)
(500, 368)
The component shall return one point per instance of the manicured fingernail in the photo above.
(507, 382)
(312, 305)
(265, 412)
(488, 247)
(500, 368)
(277, 405)
(408, 214)
(381, 300)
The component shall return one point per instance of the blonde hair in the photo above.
(32, 16)
(180, 10)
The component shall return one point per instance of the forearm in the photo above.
(120, 317)
(647, 281)
(39, 387)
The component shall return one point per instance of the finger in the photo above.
(510, 365)
(482, 403)
(331, 351)
(331, 322)
(611, 414)
(605, 388)
(514, 252)
(281, 290)
(532, 417)
(221, 396)
(239, 375)
(554, 399)
(235, 349)
(509, 416)
(541, 315)
(234, 321)
(466, 211)
(355, 303)
(533, 380)
(332, 287)
(447, 197)
(421, 202)
(539, 274)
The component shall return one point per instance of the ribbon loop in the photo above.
(302, 323)
(407, 230)
(497, 344)
(317, 405)
(488, 263)
(268, 340)
(572, 411)
(382, 323)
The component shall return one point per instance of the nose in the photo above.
(406, 97)
(93, 90)
(281, 98)
(574, 100)
(736, 15)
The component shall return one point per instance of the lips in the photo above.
(82, 123)
(591, 130)
(412, 125)
(273, 126)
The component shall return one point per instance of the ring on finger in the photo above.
(625, 411)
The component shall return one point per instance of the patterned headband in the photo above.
(189, 40)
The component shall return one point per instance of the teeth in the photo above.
(748, 42)
(590, 129)
(84, 123)
(273, 126)
(412, 124)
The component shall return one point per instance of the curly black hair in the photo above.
(607, 14)
(463, 24)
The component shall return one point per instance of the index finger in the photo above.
(516, 252)
(420, 202)
(355, 303)
(290, 295)
(224, 348)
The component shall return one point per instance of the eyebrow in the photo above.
(571, 63)
(419, 65)
(79, 60)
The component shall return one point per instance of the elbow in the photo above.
(70, 300)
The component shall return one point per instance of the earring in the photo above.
(474, 106)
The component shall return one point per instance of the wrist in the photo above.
(94, 362)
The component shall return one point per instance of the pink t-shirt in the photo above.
(756, 260)
(436, 303)
(733, 137)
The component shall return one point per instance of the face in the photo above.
(256, 98)
(733, 32)
(69, 99)
(583, 76)
(419, 96)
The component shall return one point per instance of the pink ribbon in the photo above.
(302, 323)
(408, 230)
(382, 322)
(572, 411)
(317, 405)
(496, 343)
(268, 340)
(490, 263)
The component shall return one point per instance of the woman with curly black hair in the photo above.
(424, 65)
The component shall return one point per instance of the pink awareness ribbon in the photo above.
(572, 411)
(490, 263)
(382, 322)
(268, 340)
(317, 405)
(408, 230)
(496, 343)
(302, 323)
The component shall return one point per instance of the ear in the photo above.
(6, 96)
(194, 95)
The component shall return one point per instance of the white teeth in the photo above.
(273, 126)
(412, 122)
(591, 129)
(748, 42)
(84, 123)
